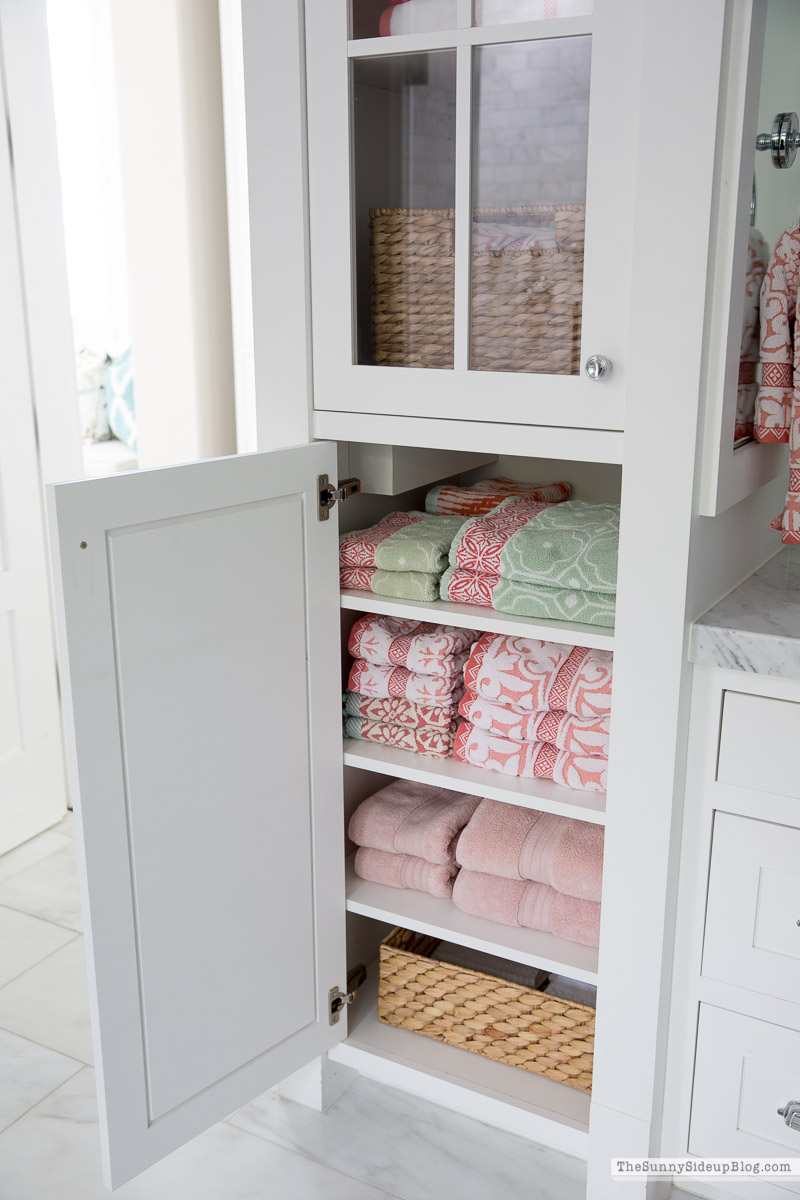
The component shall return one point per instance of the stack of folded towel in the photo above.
(403, 556)
(532, 869)
(537, 709)
(406, 682)
(538, 559)
(486, 494)
(406, 836)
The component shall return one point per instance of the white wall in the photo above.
(167, 60)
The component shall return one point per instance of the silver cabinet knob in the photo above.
(791, 1113)
(598, 367)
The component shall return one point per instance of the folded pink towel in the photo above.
(535, 676)
(370, 679)
(521, 843)
(413, 818)
(421, 646)
(436, 742)
(530, 760)
(395, 710)
(405, 871)
(531, 905)
(579, 735)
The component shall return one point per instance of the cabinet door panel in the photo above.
(199, 636)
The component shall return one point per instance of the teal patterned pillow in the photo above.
(119, 397)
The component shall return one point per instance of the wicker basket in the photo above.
(488, 1016)
(526, 303)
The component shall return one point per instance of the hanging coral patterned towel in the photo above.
(778, 406)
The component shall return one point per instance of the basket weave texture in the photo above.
(526, 304)
(488, 1016)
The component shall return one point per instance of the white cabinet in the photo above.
(471, 204)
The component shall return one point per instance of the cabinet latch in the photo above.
(327, 495)
(337, 999)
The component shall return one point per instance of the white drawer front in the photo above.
(745, 1070)
(759, 744)
(752, 935)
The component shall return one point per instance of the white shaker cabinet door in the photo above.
(199, 638)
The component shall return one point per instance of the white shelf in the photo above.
(474, 616)
(541, 794)
(534, 1107)
(441, 918)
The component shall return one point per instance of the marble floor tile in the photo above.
(25, 941)
(48, 889)
(28, 1073)
(415, 1149)
(49, 1003)
(32, 851)
(52, 1153)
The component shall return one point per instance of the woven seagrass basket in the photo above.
(478, 1012)
(526, 303)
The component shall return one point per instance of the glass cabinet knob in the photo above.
(598, 367)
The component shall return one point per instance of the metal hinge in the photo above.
(337, 999)
(328, 495)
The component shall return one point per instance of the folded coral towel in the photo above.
(529, 760)
(579, 735)
(532, 675)
(573, 545)
(372, 679)
(521, 843)
(528, 600)
(485, 495)
(424, 740)
(531, 905)
(405, 871)
(403, 541)
(420, 646)
(412, 818)
(395, 710)
(398, 585)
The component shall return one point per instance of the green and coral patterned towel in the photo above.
(403, 541)
(399, 585)
(529, 600)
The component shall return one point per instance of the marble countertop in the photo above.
(756, 627)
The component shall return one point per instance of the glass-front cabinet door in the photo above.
(471, 177)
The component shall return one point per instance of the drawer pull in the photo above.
(791, 1113)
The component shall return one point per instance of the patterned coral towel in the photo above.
(403, 541)
(395, 710)
(424, 740)
(371, 679)
(757, 262)
(487, 494)
(398, 585)
(778, 406)
(578, 735)
(421, 646)
(530, 760)
(536, 676)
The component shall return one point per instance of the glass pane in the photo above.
(503, 12)
(404, 125)
(531, 120)
(387, 18)
(773, 212)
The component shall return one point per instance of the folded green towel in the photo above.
(403, 541)
(400, 585)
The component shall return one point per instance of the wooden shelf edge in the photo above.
(441, 918)
(540, 794)
(474, 616)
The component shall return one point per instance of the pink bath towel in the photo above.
(534, 676)
(436, 742)
(395, 710)
(413, 818)
(579, 735)
(530, 760)
(405, 871)
(421, 646)
(370, 679)
(531, 905)
(521, 843)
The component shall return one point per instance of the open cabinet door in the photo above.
(199, 637)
